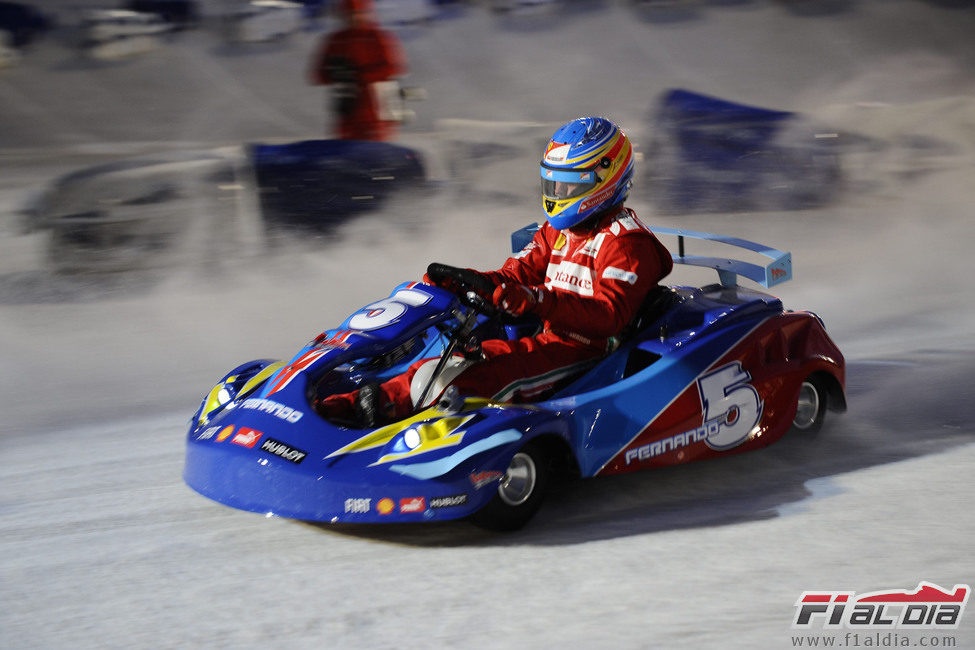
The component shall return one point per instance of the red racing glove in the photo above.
(516, 299)
(473, 279)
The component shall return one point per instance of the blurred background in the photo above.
(173, 202)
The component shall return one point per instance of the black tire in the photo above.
(810, 407)
(520, 493)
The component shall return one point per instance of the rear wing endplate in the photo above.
(777, 271)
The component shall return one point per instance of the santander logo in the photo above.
(570, 277)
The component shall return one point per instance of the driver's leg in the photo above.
(392, 400)
(522, 370)
(526, 369)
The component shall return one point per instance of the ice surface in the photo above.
(102, 545)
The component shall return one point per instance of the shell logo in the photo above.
(385, 506)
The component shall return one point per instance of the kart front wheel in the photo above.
(810, 407)
(519, 494)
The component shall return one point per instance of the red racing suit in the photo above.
(357, 57)
(591, 285)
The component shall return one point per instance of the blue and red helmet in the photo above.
(587, 168)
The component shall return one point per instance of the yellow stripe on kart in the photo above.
(253, 382)
(446, 432)
(432, 435)
(213, 402)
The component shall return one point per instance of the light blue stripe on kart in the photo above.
(440, 467)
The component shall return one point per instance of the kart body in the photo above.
(704, 372)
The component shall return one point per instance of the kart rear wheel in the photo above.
(810, 407)
(520, 492)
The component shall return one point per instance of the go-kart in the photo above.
(701, 373)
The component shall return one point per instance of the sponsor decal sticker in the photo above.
(570, 277)
(385, 506)
(557, 152)
(413, 504)
(225, 433)
(629, 223)
(271, 407)
(247, 437)
(278, 448)
(208, 433)
(597, 199)
(526, 250)
(591, 247)
(448, 502)
(358, 506)
(613, 273)
(480, 479)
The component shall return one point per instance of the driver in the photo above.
(585, 275)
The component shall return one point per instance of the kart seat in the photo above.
(658, 301)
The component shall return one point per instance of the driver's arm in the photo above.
(528, 266)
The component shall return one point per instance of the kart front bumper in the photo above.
(313, 492)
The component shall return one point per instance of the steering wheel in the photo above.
(470, 284)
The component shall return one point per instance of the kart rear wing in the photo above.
(777, 271)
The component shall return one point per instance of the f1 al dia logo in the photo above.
(927, 607)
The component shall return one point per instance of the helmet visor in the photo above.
(560, 185)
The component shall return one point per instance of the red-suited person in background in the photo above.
(354, 62)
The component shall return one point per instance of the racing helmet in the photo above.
(587, 168)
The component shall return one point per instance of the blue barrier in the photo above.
(710, 155)
(321, 183)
